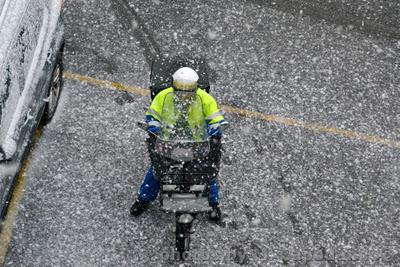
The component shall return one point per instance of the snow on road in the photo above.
(290, 195)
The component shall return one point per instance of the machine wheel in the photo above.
(54, 91)
(182, 238)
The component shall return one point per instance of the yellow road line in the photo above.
(246, 113)
(6, 231)
(106, 84)
(12, 210)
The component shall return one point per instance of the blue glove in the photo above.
(215, 128)
(215, 131)
(153, 129)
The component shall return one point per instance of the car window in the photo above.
(27, 37)
(2, 5)
(18, 75)
(5, 86)
(9, 95)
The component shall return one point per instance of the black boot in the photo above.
(215, 214)
(138, 208)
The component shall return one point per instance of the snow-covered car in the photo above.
(31, 46)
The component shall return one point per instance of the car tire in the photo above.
(54, 90)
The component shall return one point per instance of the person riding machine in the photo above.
(182, 112)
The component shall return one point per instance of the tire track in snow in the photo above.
(134, 24)
(365, 17)
(287, 188)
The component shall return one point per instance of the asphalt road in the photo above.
(290, 194)
(373, 17)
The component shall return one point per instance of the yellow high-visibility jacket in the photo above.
(202, 109)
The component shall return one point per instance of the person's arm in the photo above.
(214, 117)
(153, 117)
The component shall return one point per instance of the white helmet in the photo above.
(185, 79)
